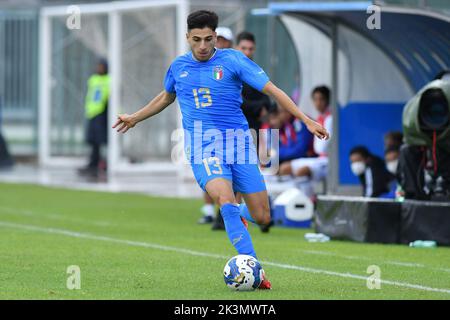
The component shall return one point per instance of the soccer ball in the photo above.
(243, 273)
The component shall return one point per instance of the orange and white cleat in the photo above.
(265, 283)
(245, 222)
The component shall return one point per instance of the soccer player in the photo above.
(207, 82)
(224, 37)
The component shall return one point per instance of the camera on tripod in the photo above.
(424, 163)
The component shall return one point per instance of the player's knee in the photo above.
(224, 199)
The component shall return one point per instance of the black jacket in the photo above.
(253, 101)
(378, 178)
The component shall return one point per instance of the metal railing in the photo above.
(18, 79)
(18, 64)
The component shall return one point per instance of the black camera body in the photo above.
(424, 163)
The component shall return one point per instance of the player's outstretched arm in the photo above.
(285, 102)
(158, 104)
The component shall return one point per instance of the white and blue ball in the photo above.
(243, 273)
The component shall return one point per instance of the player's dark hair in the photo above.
(202, 19)
(361, 150)
(323, 90)
(245, 35)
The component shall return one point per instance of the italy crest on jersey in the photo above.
(218, 73)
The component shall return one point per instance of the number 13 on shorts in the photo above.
(212, 166)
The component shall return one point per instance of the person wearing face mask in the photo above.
(371, 172)
(391, 155)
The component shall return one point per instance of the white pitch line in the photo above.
(392, 262)
(52, 216)
(13, 211)
(210, 255)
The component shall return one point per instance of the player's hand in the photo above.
(317, 130)
(124, 122)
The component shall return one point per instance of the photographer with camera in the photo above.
(424, 163)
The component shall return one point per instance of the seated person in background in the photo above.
(295, 140)
(314, 168)
(391, 155)
(393, 139)
(371, 172)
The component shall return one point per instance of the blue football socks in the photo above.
(237, 233)
(245, 213)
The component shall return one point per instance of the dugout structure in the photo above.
(139, 39)
(371, 71)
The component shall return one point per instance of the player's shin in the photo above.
(237, 233)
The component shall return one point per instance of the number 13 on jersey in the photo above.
(204, 94)
(215, 163)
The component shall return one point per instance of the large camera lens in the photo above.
(434, 111)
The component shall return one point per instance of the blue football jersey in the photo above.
(210, 91)
(209, 95)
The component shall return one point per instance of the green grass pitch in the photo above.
(131, 246)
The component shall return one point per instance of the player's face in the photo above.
(202, 43)
(247, 47)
